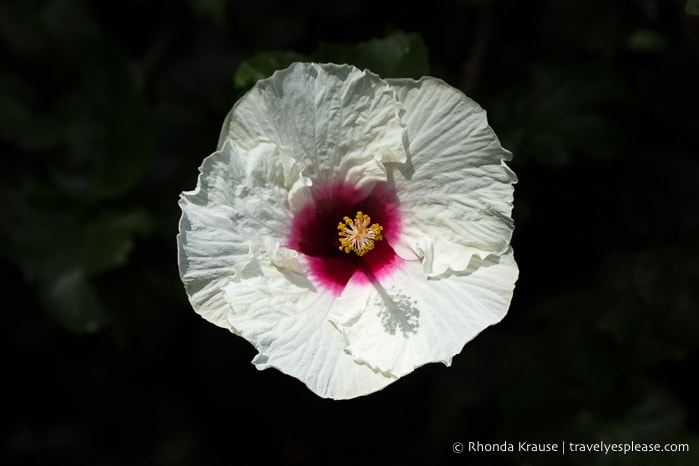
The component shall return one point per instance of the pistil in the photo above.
(358, 235)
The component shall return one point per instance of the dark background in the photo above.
(108, 108)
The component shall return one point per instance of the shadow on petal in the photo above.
(399, 312)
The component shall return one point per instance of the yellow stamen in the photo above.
(358, 235)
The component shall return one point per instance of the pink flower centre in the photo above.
(358, 249)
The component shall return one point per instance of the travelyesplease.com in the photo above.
(564, 447)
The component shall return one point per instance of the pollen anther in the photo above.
(358, 235)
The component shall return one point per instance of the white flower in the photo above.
(351, 228)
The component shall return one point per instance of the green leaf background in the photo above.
(108, 108)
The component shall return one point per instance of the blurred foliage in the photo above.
(558, 118)
(214, 10)
(693, 7)
(85, 134)
(262, 66)
(108, 109)
(398, 55)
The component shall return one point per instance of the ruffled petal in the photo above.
(455, 191)
(238, 274)
(340, 122)
(408, 320)
(288, 322)
(313, 126)
(241, 195)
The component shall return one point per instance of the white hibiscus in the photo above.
(351, 228)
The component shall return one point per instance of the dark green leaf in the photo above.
(113, 139)
(215, 10)
(647, 40)
(109, 239)
(71, 299)
(398, 55)
(262, 66)
(693, 7)
(563, 114)
(62, 252)
(90, 115)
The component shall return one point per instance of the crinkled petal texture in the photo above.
(409, 320)
(238, 208)
(456, 191)
(239, 275)
(452, 271)
(340, 122)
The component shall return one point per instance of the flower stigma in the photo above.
(358, 235)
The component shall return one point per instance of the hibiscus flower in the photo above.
(351, 228)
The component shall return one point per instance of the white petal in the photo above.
(240, 196)
(287, 320)
(340, 122)
(407, 320)
(455, 191)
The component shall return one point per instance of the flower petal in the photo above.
(287, 321)
(408, 320)
(240, 195)
(455, 191)
(340, 122)
(313, 127)
(239, 276)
